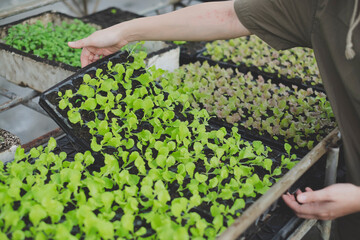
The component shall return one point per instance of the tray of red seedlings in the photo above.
(255, 71)
(236, 53)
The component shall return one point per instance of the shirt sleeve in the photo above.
(282, 24)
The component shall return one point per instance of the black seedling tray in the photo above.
(276, 223)
(255, 71)
(190, 50)
(110, 17)
(49, 99)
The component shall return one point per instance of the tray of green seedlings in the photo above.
(34, 50)
(271, 112)
(166, 170)
(47, 195)
(293, 66)
(59, 191)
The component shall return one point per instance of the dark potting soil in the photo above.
(110, 17)
(190, 50)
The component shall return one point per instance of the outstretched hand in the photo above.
(329, 203)
(100, 43)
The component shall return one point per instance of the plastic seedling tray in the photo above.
(28, 69)
(190, 50)
(277, 223)
(49, 100)
(256, 72)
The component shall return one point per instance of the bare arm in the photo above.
(207, 21)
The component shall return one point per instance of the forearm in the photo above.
(207, 21)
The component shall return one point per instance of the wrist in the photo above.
(129, 31)
(357, 197)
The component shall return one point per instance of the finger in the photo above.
(313, 196)
(306, 216)
(290, 202)
(96, 57)
(85, 57)
(79, 44)
(307, 189)
(292, 197)
(298, 191)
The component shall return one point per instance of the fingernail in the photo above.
(301, 198)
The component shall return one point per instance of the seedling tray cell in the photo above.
(27, 69)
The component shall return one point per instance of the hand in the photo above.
(329, 203)
(100, 43)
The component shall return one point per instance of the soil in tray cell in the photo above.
(111, 16)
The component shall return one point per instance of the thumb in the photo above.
(79, 44)
(313, 196)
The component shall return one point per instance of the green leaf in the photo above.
(218, 222)
(238, 204)
(101, 100)
(89, 104)
(86, 91)
(226, 194)
(267, 164)
(200, 177)
(74, 117)
(190, 167)
(287, 148)
(103, 127)
(51, 144)
(198, 147)
(37, 213)
(94, 145)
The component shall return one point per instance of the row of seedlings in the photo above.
(275, 111)
(292, 66)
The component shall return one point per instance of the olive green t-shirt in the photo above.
(322, 25)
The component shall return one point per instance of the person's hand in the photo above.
(329, 203)
(100, 43)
